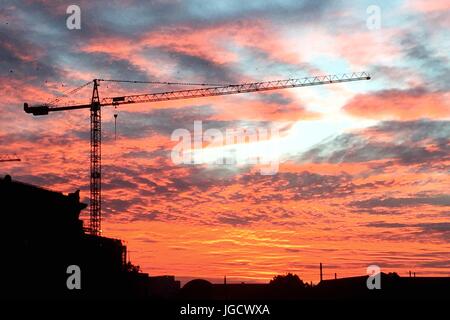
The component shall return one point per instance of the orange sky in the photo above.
(364, 167)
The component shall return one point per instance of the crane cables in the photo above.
(68, 93)
(73, 91)
(166, 83)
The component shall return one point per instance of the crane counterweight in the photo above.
(41, 110)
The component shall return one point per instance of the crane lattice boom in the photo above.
(204, 92)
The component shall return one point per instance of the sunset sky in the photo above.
(364, 166)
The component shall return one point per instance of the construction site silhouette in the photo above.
(43, 236)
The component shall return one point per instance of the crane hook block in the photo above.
(41, 110)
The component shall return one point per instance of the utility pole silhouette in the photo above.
(321, 272)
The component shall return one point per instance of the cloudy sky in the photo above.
(364, 166)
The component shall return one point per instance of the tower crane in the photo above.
(209, 90)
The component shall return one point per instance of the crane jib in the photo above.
(228, 90)
(213, 90)
(203, 92)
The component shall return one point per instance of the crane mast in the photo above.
(214, 90)
(95, 207)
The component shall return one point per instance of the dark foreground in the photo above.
(48, 255)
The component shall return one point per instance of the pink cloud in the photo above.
(401, 105)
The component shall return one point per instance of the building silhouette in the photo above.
(43, 235)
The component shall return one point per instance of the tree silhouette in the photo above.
(288, 282)
(393, 275)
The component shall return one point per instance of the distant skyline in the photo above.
(364, 166)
